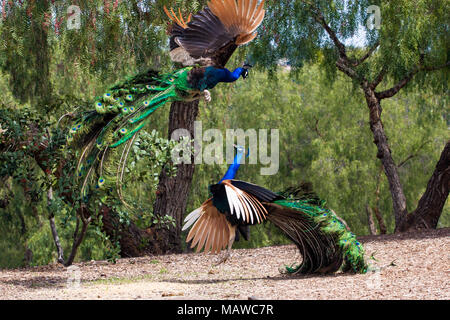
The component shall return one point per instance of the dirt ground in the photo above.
(408, 266)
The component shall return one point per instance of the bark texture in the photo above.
(384, 154)
(429, 209)
(173, 192)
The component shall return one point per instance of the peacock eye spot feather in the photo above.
(101, 182)
(146, 103)
(123, 131)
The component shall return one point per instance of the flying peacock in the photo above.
(323, 239)
(201, 45)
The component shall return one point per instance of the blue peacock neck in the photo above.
(233, 168)
(232, 76)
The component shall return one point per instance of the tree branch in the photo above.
(342, 65)
(395, 89)
(59, 248)
(378, 78)
(318, 16)
(370, 222)
(78, 240)
(367, 55)
(415, 154)
(315, 127)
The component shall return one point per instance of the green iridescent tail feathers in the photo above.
(104, 134)
(124, 108)
(335, 242)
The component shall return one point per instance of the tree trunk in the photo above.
(384, 154)
(172, 193)
(429, 209)
(381, 224)
(134, 242)
(370, 221)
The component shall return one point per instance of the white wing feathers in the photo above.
(192, 217)
(243, 205)
(211, 229)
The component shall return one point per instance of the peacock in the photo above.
(201, 46)
(323, 239)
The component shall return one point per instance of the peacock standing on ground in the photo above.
(202, 45)
(325, 242)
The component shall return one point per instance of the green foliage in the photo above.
(411, 33)
(48, 71)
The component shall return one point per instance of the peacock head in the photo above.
(245, 69)
(241, 150)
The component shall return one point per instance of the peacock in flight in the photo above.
(323, 239)
(201, 46)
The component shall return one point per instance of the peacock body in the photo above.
(323, 239)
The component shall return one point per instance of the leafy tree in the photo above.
(53, 71)
(409, 47)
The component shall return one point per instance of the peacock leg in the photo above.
(227, 254)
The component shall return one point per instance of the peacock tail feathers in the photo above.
(104, 135)
(333, 229)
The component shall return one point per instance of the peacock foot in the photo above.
(223, 259)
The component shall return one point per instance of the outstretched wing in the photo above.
(262, 194)
(244, 201)
(210, 228)
(215, 32)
